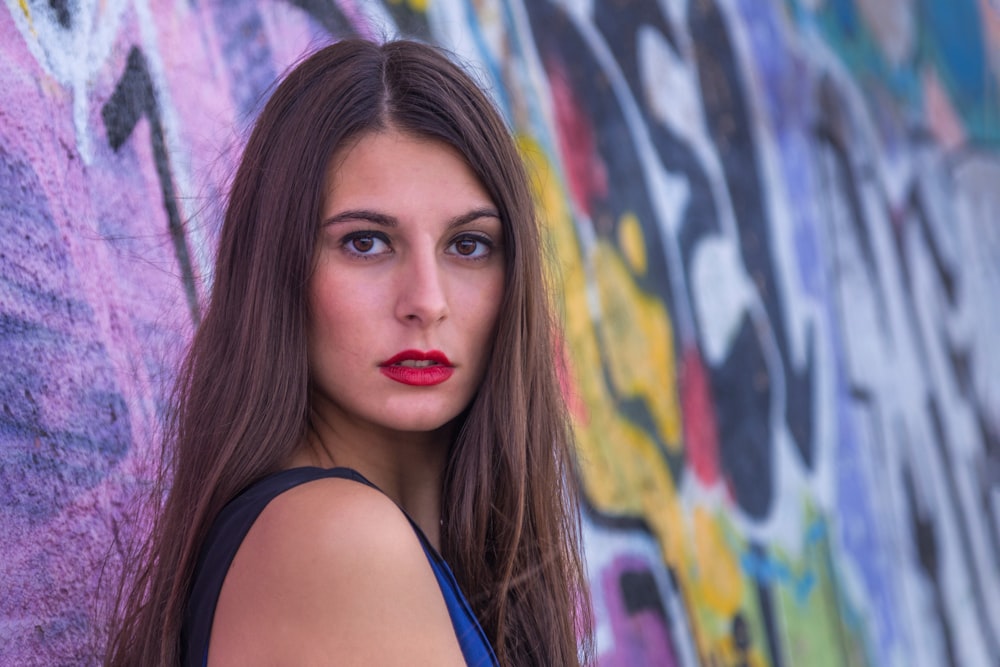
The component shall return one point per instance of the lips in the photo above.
(417, 368)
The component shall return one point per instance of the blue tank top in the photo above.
(233, 523)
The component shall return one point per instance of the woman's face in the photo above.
(407, 286)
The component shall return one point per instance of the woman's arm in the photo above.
(332, 572)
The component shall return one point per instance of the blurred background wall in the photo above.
(776, 229)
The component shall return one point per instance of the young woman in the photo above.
(369, 459)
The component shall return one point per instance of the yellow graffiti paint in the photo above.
(620, 349)
(637, 340)
(627, 351)
(719, 583)
(632, 243)
(415, 5)
(27, 15)
(621, 466)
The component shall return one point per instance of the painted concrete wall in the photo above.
(776, 224)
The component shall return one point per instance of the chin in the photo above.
(422, 423)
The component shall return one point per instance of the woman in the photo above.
(374, 383)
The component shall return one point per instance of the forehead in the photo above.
(390, 163)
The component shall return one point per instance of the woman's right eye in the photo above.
(365, 244)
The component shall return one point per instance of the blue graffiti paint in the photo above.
(854, 43)
(784, 78)
(487, 60)
(766, 570)
(845, 18)
(857, 529)
(952, 36)
(953, 42)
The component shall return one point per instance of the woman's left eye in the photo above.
(471, 247)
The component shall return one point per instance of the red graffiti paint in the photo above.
(568, 384)
(577, 146)
(700, 435)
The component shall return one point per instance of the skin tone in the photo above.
(409, 258)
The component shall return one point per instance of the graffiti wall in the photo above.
(775, 229)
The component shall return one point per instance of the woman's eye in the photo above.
(365, 244)
(471, 247)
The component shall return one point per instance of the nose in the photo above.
(421, 297)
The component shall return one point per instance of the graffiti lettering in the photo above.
(774, 224)
(134, 98)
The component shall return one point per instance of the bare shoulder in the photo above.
(332, 570)
(337, 516)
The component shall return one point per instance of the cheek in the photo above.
(331, 314)
(337, 296)
(339, 323)
(486, 308)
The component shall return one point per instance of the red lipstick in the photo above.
(416, 368)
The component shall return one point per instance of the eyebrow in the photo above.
(384, 220)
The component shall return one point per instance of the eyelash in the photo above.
(481, 239)
(347, 241)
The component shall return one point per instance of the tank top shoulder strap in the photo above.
(223, 541)
(233, 524)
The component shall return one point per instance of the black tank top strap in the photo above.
(231, 527)
(222, 543)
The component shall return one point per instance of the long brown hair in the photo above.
(511, 526)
